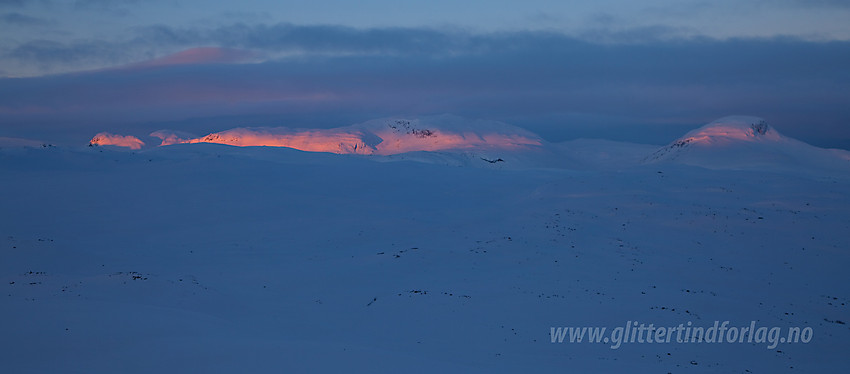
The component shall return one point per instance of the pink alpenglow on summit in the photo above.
(378, 137)
(744, 142)
(106, 138)
(317, 140)
(731, 128)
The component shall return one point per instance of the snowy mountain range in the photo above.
(734, 142)
(458, 251)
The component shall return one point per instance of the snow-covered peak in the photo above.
(446, 132)
(128, 141)
(443, 122)
(340, 140)
(730, 129)
(744, 142)
(725, 132)
(387, 136)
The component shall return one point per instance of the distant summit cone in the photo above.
(745, 142)
(726, 131)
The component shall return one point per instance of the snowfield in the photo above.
(221, 259)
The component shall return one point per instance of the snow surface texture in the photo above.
(219, 259)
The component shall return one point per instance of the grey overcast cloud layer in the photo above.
(641, 71)
(95, 34)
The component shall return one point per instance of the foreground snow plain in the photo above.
(220, 259)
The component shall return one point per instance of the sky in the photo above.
(634, 71)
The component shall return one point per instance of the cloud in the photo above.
(284, 41)
(200, 56)
(544, 81)
(106, 138)
(11, 3)
(819, 3)
(100, 4)
(281, 40)
(22, 19)
(51, 56)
